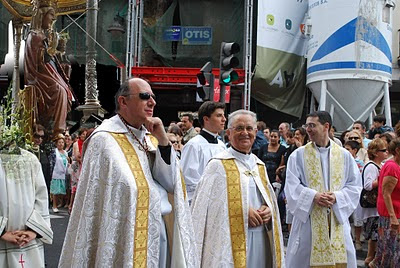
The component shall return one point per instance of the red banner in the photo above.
(217, 92)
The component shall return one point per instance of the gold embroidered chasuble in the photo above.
(110, 179)
(328, 242)
(275, 222)
(236, 217)
(142, 207)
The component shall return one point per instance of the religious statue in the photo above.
(61, 57)
(43, 72)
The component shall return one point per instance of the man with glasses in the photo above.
(199, 150)
(322, 189)
(128, 167)
(234, 210)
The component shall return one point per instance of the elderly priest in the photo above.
(234, 210)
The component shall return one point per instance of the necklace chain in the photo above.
(142, 146)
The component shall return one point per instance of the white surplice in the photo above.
(101, 228)
(300, 203)
(23, 206)
(195, 156)
(211, 215)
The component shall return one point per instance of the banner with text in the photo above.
(279, 80)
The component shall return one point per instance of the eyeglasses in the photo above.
(383, 150)
(353, 138)
(174, 142)
(310, 125)
(143, 95)
(242, 128)
(37, 136)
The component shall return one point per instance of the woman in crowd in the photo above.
(388, 204)
(377, 153)
(272, 155)
(76, 163)
(68, 149)
(58, 168)
(362, 153)
(387, 137)
(174, 140)
(344, 136)
(300, 139)
(175, 129)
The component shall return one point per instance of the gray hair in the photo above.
(287, 125)
(124, 90)
(233, 116)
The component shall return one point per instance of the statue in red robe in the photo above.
(43, 72)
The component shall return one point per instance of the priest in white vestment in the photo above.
(24, 211)
(234, 209)
(122, 193)
(322, 189)
(200, 149)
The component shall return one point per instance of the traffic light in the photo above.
(227, 62)
(205, 82)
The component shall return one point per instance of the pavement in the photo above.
(59, 223)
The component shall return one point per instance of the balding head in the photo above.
(135, 101)
(129, 86)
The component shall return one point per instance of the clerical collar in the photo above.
(210, 137)
(240, 151)
(209, 132)
(138, 132)
(327, 146)
(248, 160)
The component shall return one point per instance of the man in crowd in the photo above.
(128, 166)
(199, 150)
(260, 138)
(283, 131)
(322, 189)
(267, 133)
(360, 127)
(379, 126)
(187, 127)
(235, 206)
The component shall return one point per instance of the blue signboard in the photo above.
(196, 35)
(172, 33)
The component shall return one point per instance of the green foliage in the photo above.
(13, 126)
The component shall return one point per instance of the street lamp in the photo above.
(117, 27)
